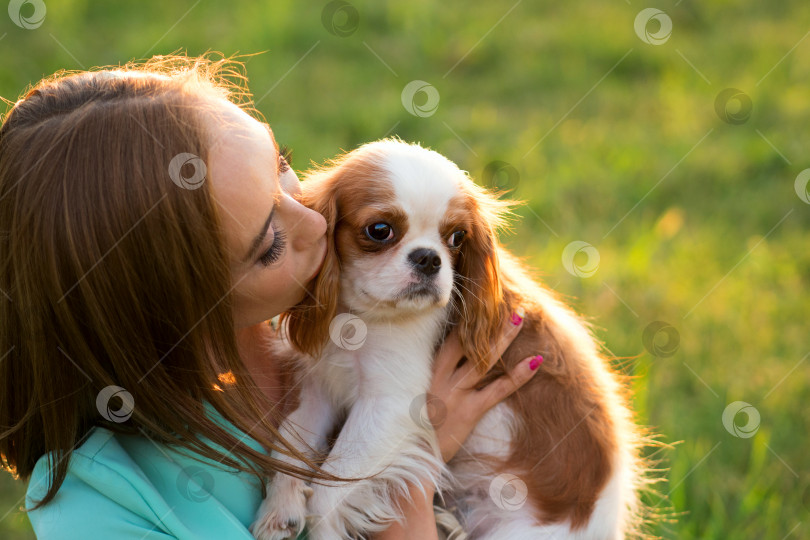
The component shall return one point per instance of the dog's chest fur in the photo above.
(394, 360)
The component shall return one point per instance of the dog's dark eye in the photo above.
(380, 232)
(456, 238)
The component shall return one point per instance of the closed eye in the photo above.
(276, 249)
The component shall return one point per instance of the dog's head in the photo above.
(407, 232)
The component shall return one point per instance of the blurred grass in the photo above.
(695, 220)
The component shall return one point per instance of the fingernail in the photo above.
(517, 316)
(535, 363)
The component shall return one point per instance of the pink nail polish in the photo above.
(535, 363)
(517, 316)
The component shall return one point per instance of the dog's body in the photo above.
(558, 459)
(566, 435)
(379, 436)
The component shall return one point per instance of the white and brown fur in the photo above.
(568, 434)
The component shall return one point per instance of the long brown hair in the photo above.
(113, 274)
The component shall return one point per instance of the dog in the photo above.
(412, 252)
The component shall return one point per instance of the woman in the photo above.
(149, 229)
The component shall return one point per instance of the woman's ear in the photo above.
(308, 322)
(482, 310)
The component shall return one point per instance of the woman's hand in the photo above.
(463, 405)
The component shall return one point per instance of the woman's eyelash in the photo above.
(276, 249)
(284, 158)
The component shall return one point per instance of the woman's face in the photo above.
(276, 245)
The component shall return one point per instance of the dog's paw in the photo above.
(283, 513)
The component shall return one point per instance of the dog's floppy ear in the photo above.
(308, 322)
(482, 309)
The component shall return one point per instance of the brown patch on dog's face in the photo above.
(458, 219)
(337, 192)
(353, 240)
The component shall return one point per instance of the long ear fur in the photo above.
(308, 322)
(345, 177)
(483, 310)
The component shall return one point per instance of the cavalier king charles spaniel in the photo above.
(413, 252)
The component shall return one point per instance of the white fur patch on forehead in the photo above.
(423, 180)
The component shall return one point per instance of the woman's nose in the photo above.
(311, 226)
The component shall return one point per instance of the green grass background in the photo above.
(696, 221)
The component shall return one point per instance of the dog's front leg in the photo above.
(282, 514)
(379, 439)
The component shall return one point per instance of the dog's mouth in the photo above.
(417, 291)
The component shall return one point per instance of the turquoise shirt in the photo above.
(128, 487)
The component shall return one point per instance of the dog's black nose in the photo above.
(426, 261)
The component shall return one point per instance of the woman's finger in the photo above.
(447, 356)
(506, 384)
(511, 329)
(468, 374)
